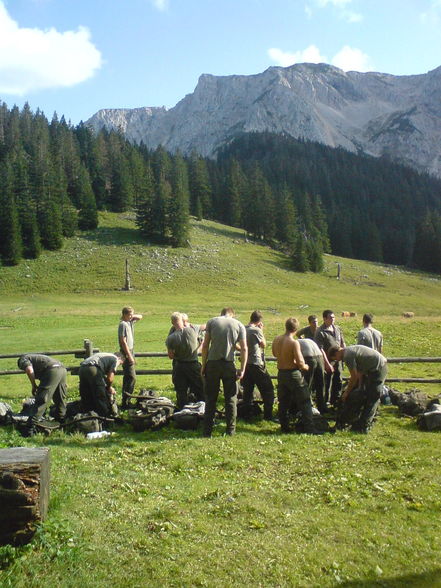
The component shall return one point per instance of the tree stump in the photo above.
(24, 492)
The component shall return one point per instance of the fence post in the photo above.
(88, 348)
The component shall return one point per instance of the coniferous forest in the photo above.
(303, 197)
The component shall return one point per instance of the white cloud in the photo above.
(347, 59)
(432, 16)
(351, 59)
(35, 59)
(309, 55)
(340, 5)
(161, 5)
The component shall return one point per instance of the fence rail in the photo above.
(89, 350)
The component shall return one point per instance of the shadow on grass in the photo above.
(431, 578)
(114, 236)
(224, 231)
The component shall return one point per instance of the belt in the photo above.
(288, 370)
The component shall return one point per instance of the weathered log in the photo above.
(24, 492)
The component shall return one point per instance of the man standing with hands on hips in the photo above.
(222, 335)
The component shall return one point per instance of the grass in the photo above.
(172, 509)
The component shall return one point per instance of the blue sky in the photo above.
(78, 56)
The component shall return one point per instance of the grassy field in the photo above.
(172, 509)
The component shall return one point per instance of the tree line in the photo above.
(302, 197)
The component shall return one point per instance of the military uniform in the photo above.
(224, 333)
(373, 366)
(326, 337)
(370, 337)
(94, 389)
(53, 386)
(126, 330)
(256, 373)
(186, 368)
(315, 376)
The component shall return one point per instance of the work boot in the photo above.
(28, 431)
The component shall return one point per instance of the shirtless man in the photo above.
(290, 382)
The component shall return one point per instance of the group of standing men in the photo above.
(308, 361)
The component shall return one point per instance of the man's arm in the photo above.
(136, 317)
(29, 371)
(243, 358)
(352, 383)
(328, 366)
(204, 352)
(298, 357)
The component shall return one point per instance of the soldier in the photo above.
(315, 376)
(369, 336)
(97, 373)
(309, 331)
(368, 371)
(222, 335)
(291, 386)
(126, 346)
(182, 346)
(326, 335)
(256, 373)
(53, 386)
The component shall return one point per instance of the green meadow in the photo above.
(169, 508)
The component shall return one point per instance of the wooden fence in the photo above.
(89, 350)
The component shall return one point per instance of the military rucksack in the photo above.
(190, 416)
(153, 414)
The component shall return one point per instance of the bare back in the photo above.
(288, 353)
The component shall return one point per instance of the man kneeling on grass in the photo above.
(368, 371)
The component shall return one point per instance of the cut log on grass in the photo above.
(24, 492)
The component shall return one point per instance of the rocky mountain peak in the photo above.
(380, 114)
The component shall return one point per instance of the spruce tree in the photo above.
(178, 213)
(300, 260)
(10, 235)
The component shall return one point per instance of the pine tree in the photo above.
(315, 255)
(26, 207)
(234, 192)
(300, 261)
(10, 235)
(200, 188)
(88, 214)
(178, 214)
(144, 208)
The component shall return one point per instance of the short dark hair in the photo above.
(256, 316)
(368, 318)
(327, 312)
(291, 324)
(332, 351)
(312, 317)
(227, 310)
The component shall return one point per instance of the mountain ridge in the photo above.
(377, 113)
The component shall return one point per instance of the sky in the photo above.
(75, 57)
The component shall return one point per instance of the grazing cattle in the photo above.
(345, 314)
(408, 314)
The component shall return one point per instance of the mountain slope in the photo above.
(379, 114)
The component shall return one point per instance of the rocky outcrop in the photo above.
(379, 114)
